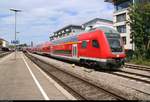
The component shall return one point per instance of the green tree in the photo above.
(139, 15)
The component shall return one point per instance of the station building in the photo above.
(75, 29)
(120, 18)
(65, 31)
(3, 43)
(97, 21)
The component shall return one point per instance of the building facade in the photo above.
(120, 18)
(65, 31)
(3, 43)
(75, 29)
(97, 21)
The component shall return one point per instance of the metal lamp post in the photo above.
(15, 10)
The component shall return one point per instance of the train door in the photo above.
(74, 50)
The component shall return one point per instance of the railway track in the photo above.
(138, 67)
(138, 76)
(132, 75)
(135, 73)
(79, 87)
(2, 54)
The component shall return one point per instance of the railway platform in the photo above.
(21, 79)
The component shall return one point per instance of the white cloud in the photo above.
(39, 18)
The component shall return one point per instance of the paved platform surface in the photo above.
(21, 79)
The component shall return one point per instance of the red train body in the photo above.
(101, 46)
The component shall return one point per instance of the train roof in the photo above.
(109, 31)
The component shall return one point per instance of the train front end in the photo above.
(117, 52)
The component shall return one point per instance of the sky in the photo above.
(40, 18)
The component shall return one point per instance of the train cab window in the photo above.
(84, 44)
(95, 43)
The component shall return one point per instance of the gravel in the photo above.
(129, 88)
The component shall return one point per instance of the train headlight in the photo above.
(117, 56)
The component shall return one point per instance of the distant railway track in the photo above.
(2, 54)
(133, 76)
(138, 67)
(134, 73)
(79, 87)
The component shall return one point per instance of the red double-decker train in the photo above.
(100, 46)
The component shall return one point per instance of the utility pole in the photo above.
(14, 10)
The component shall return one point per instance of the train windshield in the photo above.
(113, 38)
(115, 44)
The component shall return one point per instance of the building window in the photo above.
(121, 17)
(121, 29)
(124, 40)
(95, 43)
(84, 44)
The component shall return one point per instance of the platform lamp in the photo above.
(15, 10)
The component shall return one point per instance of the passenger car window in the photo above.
(95, 43)
(84, 44)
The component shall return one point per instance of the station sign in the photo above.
(15, 41)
